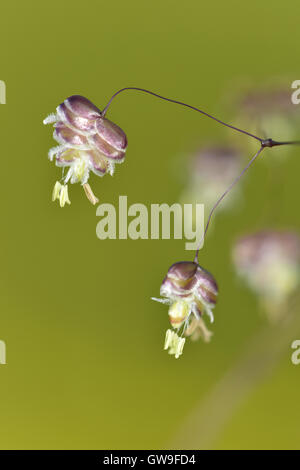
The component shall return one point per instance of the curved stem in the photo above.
(263, 143)
(222, 197)
(181, 104)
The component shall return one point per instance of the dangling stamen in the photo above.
(89, 194)
(56, 191)
(64, 196)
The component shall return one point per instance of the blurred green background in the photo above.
(85, 365)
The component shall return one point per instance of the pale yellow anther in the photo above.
(89, 194)
(179, 347)
(64, 196)
(56, 191)
(169, 338)
(174, 343)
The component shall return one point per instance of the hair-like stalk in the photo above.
(222, 197)
(263, 144)
(181, 103)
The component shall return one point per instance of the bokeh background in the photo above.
(85, 366)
